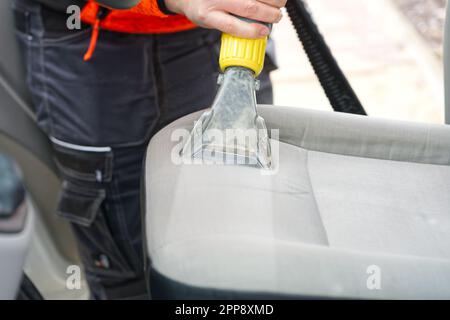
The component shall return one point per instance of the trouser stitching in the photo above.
(121, 219)
(45, 87)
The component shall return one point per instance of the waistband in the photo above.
(56, 21)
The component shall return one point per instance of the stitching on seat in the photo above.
(314, 197)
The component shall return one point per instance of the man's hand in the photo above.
(218, 14)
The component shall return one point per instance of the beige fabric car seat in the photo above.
(358, 207)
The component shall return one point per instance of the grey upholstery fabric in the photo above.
(348, 193)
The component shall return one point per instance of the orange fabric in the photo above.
(145, 18)
(149, 8)
(94, 39)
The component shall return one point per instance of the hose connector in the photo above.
(241, 52)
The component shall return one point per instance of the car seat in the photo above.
(352, 198)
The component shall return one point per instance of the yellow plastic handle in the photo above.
(240, 52)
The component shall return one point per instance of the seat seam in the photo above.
(314, 198)
(349, 154)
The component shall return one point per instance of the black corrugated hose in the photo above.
(336, 86)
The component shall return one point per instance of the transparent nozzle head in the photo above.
(232, 132)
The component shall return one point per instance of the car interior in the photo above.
(347, 193)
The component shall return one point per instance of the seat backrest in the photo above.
(16, 115)
(11, 67)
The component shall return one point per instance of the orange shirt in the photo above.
(146, 17)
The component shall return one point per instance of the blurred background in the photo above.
(391, 51)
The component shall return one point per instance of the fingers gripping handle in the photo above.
(240, 52)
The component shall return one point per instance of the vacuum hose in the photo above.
(336, 86)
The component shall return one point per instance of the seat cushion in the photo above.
(382, 206)
(347, 194)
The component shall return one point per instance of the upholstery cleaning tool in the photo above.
(231, 132)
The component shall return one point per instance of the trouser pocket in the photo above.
(83, 163)
(93, 102)
(82, 206)
(86, 174)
